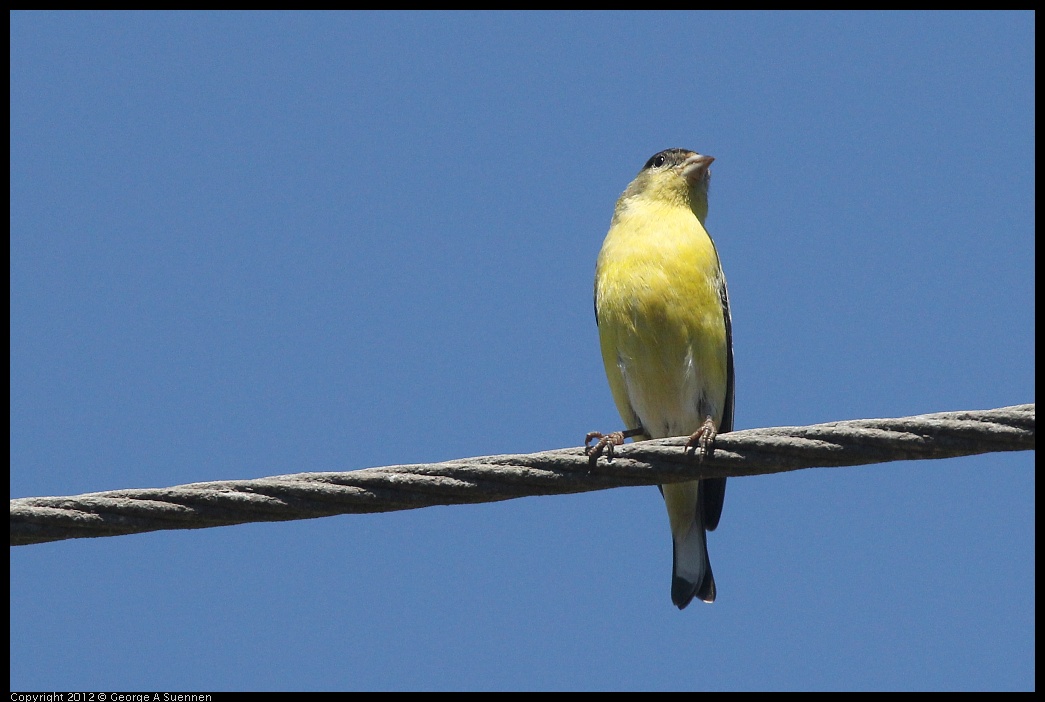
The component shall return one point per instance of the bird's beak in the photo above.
(695, 168)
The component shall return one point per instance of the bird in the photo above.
(666, 337)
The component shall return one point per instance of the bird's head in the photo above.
(678, 176)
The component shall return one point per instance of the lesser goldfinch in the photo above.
(666, 337)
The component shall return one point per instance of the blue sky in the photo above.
(254, 244)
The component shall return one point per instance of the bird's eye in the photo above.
(658, 160)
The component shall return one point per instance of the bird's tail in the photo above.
(691, 568)
(687, 582)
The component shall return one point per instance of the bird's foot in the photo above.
(702, 442)
(606, 443)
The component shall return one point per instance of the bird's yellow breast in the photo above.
(661, 321)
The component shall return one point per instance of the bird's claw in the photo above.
(702, 442)
(606, 443)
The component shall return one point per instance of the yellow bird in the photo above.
(666, 337)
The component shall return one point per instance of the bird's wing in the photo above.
(713, 490)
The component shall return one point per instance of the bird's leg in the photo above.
(703, 438)
(606, 443)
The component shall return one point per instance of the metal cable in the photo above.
(493, 478)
